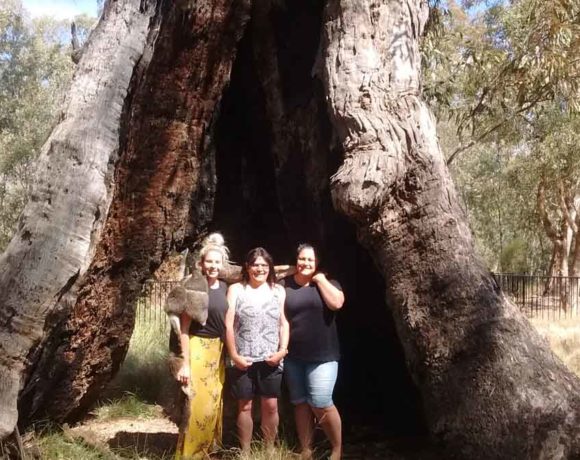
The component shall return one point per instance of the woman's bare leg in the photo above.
(245, 423)
(329, 419)
(270, 419)
(304, 428)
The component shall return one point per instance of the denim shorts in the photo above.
(312, 383)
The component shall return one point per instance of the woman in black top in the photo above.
(202, 373)
(313, 351)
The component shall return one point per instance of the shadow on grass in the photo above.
(149, 445)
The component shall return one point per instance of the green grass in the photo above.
(144, 373)
(129, 405)
(58, 444)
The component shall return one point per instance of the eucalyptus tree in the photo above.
(505, 77)
(557, 164)
(498, 185)
(502, 64)
(129, 172)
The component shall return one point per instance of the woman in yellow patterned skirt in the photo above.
(203, 372)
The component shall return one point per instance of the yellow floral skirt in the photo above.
(203, 431)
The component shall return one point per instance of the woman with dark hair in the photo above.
(257, 341)
(312, 364)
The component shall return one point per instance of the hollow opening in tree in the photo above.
(274, 159)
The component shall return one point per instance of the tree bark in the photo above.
(53, 244)
(575, 226)
(490, 386)
(560, 236)
(126, 175)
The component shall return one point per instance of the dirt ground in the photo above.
(156, 437)
(151, 437)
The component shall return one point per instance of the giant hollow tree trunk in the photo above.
(490, 386)
(275, 157)
(325, 100)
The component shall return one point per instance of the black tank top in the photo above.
(313, 334)
(217, 307)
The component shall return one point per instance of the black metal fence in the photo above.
(548, 297)
(150, 303)
(537, 296)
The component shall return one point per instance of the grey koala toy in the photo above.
(190, 297)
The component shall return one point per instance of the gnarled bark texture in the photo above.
(490, 386)
(56, 236)
(126, 175)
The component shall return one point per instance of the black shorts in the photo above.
(259, 379)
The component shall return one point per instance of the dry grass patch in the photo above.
(259, 451)
(564, 338)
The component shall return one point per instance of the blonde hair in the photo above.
(214, 242)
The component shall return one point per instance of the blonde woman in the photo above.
(203, 371)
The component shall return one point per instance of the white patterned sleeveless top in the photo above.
(257, 325)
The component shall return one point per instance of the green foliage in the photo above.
(503, 81)
(514, 257)
(35, 71)
(500, 197)
(490, 71)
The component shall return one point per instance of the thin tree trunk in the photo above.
(575, 255)
(559, 236)
(573, 217)
(490, 386)
(575, 259)
(557, 284)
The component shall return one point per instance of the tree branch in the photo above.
(495, 127)
(74, 41)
